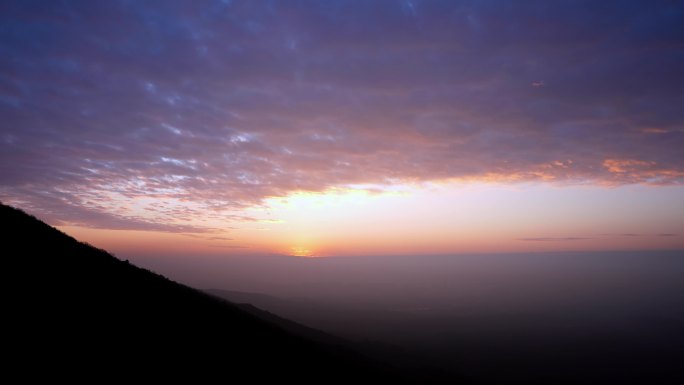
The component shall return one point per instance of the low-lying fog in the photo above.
(570, 315)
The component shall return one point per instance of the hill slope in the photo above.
(75, 308)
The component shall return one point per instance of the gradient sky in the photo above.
(346, 127)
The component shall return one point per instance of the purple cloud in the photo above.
(553, 239)
(224, 104)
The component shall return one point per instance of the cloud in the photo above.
(111, 109)
(230, 246)
(553, 239)
(635, 235)
(220, 239)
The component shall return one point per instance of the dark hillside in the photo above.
(75, 309)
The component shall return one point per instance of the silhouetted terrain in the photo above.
(75, 309)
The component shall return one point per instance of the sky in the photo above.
(335, 128)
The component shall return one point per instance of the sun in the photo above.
(299, 251)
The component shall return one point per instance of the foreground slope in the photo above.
(74, 309)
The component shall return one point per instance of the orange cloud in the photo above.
(641, 171)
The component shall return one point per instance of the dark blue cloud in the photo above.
(223, 103)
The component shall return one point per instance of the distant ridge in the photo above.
(76, 310)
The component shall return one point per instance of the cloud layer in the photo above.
(131, 114)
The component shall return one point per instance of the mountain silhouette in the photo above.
(75, 310)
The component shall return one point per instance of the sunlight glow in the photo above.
(299, 251)
(458, 217)
(429, 218)
(332, 198)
